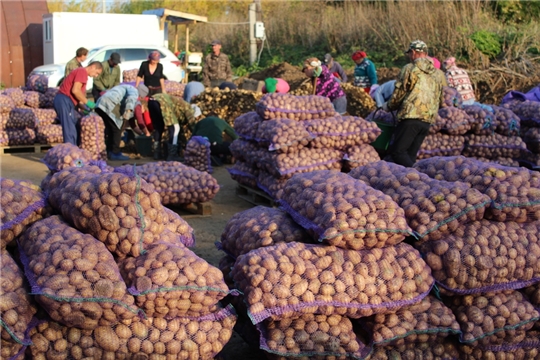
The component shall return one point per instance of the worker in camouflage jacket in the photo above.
(417, 97)
(216, 68)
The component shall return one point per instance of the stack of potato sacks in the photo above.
(173, 88)
(320, 278)
(529, 114)
(112, 271)
(488, 268)
(296, 134)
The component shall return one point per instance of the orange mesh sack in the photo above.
(339, 210)
(74, 276)
(170, 281)
(432, 207)
(290, 279)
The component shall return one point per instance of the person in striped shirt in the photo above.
(459, 79)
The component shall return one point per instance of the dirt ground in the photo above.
(28, 166)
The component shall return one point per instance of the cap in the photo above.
(154, 55)
(417, 45)
(115, 58)
(327, 58)
(216, 42)
(143, 91)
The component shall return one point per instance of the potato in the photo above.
(505, 121)
(283, 166)
(270, 185)
(129, 75)
(247, 125)
(359, 103)
(180, 227)
(6, 104)
(49, 134)
(170, 280)
(66, 155)
(494, 318)
(259, 227)
(441, 145)
(244, 174)
(514, 191)
(283, 135)
(452, 121)
(38, 83)
(287, 106)
(432, 208)
(525, 350)
(500, 161)
(16, 95)
(493, 146)
(174, 88)
(359, 156)
(93, 136)
(484, 255)
(289, 279)
(246, 151)
(34, 99)
(21, 204)
(21, 118)
(481, 119)
(452, 97)
(83, 287)
(444, 350)
(342, 132)
(339, 210)
(532, 139)
(45, 116)
(197, 154)
(529, 113)
(25, 136)
(225, 265)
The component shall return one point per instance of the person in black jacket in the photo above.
(151, 73)
(335, 68)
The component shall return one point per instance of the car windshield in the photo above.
(92, 52)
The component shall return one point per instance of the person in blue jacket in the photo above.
(365, 74)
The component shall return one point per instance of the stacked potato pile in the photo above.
(197, 154)
(290, 134)
(359, 103)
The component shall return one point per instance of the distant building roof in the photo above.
(176, 17)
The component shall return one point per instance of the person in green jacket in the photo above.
(109, 78)
(365, 74)
(76, 62)
(219, 134)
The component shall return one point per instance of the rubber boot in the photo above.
(156, 149)
(173, 153)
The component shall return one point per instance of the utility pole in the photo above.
(252, 40)
(104, 6)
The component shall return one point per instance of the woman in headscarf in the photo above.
(459, 79)
(325, 84)
(151, 74)
(365, 74)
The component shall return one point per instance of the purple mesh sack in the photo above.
(514, 191)
(505, 121)
(339, 210)
(341, 132)
(360, 155)
(37, 83)
(16, 95)
(452, 97)
(500, 318)
(21, 136)
(244, 174)
(484, 256)
(529, 113)
(311, 336)
(21, 118)
(197, 154)
(66, 155)
(246, 151)
(271, 185)
(283, 135)
(441, 145)
(129, 75)
(482, 119)
(526, 349)
(433, 208)
(180, 227)
(287, 280)
(532, 139)
(49, 134)
(500, 161)
(47, 100)
(294, 107)
(21, 204)
(45, 116)
(34, 99)
(6, 104)
(183, 285)
(493, 146)
(93, 136)
(246, 125)
(73, 276)
(444, 350)
(284, 166)
(258, 227)
(51, 181)
(382, 116)
(451, 120)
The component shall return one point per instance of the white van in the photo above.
(131, 56)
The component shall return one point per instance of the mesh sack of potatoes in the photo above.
(528, 349)
(170, 280)
(34, 99)
(39, 83)
(247, 151)
(451, 97)
(246, 125)
(313, 337)
(73, 276)
(180, 227)
(514, 191)
(505, 121)
(197, 154)
(340, 210)
(4, 117)
(21, 204)
(382, 116)
(244, 174)
(289, 279)
(124, 212)
(532, 139)
(6, 104)
(50, 181)
(341, 132)
(283, 135)
(225, 265)
(259, 227)
(432, 208)
(4, 139)
(428, 321)
(151, 338)
(493, 146)
(174, 88)
(66, 155)
(16, 95)
(176, 183)
(529, 113)
(129, 75)
(47, 100)
(500, 161)
(16, 307)
(447, 349)
(493, 318)
(93, 136)
(453, 121)
(21, 118)
(44, 116)
(441, 145)
(360, 155)
(359, 103)
(49, 134)
(482, 119)
(271, 185)
(485, 256)
(294, 107)
(21, 136)
(285, 165)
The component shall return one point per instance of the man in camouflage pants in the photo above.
(217, 68)
(417, 96)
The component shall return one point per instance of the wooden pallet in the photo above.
(254, 196)
(18, 149)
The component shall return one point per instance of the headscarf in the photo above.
(435, 62)
(451, 61)
(154, 55)
(358, 55)
(315, 64)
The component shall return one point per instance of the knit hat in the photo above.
(358, 55)
(417, 45)
(143, 91)
(271, 85)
